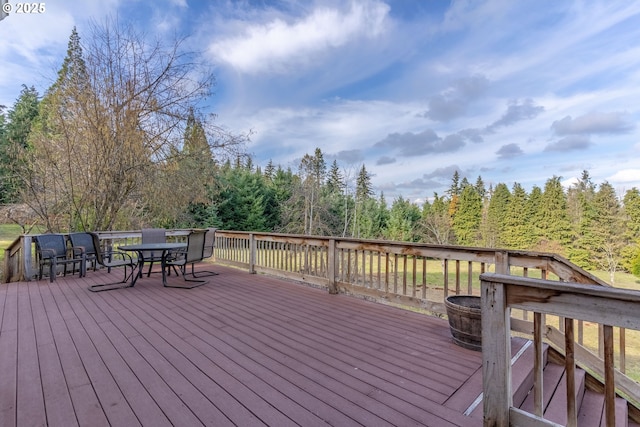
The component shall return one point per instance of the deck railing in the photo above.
(422, 276)
(607, 307)
(409, 274)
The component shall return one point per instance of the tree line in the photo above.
(586, 223)
(118, 141)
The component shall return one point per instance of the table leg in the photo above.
(163, 264)
(140, 269)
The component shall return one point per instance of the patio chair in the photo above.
(209, 246)
(51, 250)
(152, 235)
(190, 255)
(83, 243)
(111, 259)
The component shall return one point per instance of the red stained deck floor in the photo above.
(244, 350)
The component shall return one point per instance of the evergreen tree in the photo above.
(480, 188)
(245, 202)
(404, 217)
(313, 171)
(518, 230)
(14, 137)
(631, 205)
(496, 217)
(363, 194)
(270, 171)
(466, 221)
(335, 181)
(608, 229)
(582, 213)
(631, 216)
(533, 205)
(552, 218)
(454, 189)
(363, 184)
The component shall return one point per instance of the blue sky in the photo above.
(513, 91)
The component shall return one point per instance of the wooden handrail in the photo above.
(605, 306)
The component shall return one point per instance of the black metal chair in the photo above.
(152, 235)
(52, 250)
(111, 259)
(209, 246)
(83, 242)
(190, 255)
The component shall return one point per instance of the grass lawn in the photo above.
(8, 233)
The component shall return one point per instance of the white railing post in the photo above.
(496, 355)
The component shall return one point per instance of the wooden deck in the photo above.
(244, 350)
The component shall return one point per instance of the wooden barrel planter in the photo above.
(464, 312)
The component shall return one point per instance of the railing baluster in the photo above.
(404, 274)
(609, 379)
(446, 277)
(363, 269)
(457, 277)
(379, 270)
(570, 369)
(413, 278)
(395, 273)
(623, 351)
(386, 272)
(538, 364)
(424, 277)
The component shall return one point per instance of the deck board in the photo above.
(241, 350)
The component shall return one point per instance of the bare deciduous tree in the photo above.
(112, 130)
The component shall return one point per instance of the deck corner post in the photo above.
(331, 261)
(26, 258)
(496, 354)
(252, 253)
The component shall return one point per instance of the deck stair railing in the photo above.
(607, 307)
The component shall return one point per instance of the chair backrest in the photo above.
(84, 241)
(154, 235)
(209, 242)
(51, 245)
(195, 246)
(95, 239)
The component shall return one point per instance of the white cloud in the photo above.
(626, 176)
(277, 45)
(34, 45)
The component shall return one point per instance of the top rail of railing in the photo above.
(502, 259)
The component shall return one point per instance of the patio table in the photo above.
(145, 247)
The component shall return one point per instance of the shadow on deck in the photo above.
(242, 350)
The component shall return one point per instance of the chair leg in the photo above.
(202, 273)
(53, 270)
(189, 283)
